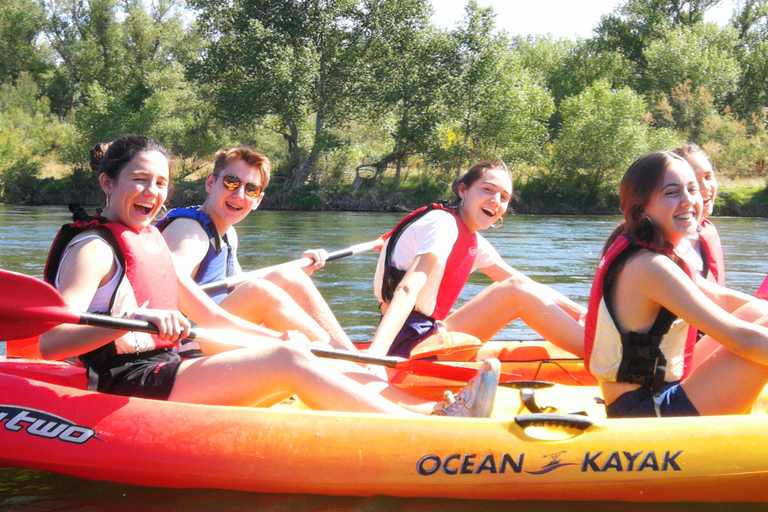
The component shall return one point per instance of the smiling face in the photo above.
(228, 207)
(139, 191)
(485, 200)
(705, 175)
(675, 209)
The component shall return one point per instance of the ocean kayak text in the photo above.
(598, 462)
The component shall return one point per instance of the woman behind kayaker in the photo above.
(707, 252)
(635, 344)
(123, 266)
(428, 258)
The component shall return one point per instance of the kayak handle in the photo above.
(532, 384)
(576, 421)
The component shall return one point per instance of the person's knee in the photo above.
(517, 291)
(293, 354)
(258, 287)
(290, 278)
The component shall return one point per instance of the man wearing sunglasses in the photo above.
(204, 241)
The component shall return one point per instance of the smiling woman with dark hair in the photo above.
(644, 297)
(429, 257)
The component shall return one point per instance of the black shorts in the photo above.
(146, 375)
(416, 328)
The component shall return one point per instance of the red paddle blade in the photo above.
(456, 346)
(29, 306)
(446, 371)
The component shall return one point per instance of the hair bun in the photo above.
(97, 153)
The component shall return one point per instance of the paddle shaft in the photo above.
(300, 263)
(432, 368)
(214, 336)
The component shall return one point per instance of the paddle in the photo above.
(301, 263)
(29, 307)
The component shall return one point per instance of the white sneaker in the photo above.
(475, 400)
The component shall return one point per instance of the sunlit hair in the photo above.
(474, 174)
(111, 158)
(688, 150)
(643, 179)
(255, 159)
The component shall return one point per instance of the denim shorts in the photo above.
(641, 403)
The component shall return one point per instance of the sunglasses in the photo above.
(232, 182)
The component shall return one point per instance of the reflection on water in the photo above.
(37, 491)
(560, 251)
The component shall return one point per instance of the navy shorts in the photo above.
(641, 403)
(146, 375)
(417, 328)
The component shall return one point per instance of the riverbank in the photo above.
(737, 196)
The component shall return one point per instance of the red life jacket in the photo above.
(146, 262)
(712, 251)
(762, 291)
(457, 268)
(642, 361)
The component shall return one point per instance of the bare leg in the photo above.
(502, 302)
(301, 288)
(262, 302)
(382, 387)
(725, 383)
(247, 376)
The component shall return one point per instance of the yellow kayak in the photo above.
(564, 450)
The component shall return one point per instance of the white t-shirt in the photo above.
(435, 232)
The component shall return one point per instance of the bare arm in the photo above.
(87, 266)
(729, 300)
(188, 242)
(658, 281)
(402, 303)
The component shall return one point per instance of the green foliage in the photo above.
(327, 88)
(20, 23)
(602, 130)
(20, 180)
(636, 24)
(499, 109)
(703, 54)
(740, 146)
(602, 135)
(28, 131)
(568, 67)
(752, 94)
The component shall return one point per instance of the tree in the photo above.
(21, 21)
(637, 23)
(498, 109)
(406, 72)
(270, 59)
(752, 94)
(603, 133)
(568, 67)
(750, 19)
(112, 56)
(703, 54)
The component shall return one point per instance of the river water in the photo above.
(560, 251)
